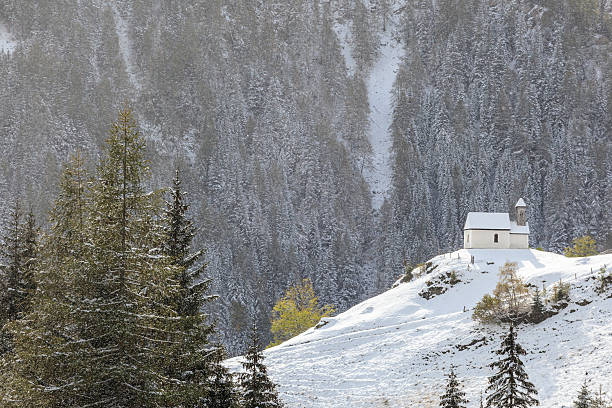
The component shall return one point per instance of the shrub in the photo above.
(560, 292)
(581, 246)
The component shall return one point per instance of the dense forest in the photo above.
(255, 103)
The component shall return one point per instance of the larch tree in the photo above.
(509, 386)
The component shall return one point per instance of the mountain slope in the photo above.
(393, 349)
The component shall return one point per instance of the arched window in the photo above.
(496, 238)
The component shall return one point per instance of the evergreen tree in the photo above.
(257, 388)
(509, 386)
(454, 397)
(537, 307)
(18, 256)
(189, 361)
(179, 233)
(221, 390)
(49, 343)
(104, 332)
(584, 399)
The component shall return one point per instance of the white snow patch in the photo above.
(394, 349)
(380, 85)
(343, 32)
(125, 48)
(7, 43)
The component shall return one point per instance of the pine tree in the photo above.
(258, 390)
(584, 399)
(509, 386)
(221, 390)
(454, 397)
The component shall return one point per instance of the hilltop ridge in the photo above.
(394, 349)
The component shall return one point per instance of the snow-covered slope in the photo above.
(7, 45)
(394, 349)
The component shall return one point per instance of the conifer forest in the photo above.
(253, 121)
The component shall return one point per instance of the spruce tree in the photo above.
(509, 386)
(584, 399)
(454, 397)
(189, 363)
(257, 388)
(18, 256)
(222, 389)
(537, 308)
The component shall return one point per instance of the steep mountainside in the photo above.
(331, 140)
(395, 349)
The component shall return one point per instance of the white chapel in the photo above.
(495, 230)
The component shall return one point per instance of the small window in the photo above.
(468, 237)
(496, 238)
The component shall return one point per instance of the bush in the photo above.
(560, 292)
(581, 246)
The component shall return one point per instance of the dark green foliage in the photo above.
(454, 397)
(179, 231)
(103, 329)
(222, 391)
(584, 399)
(509, 386)
(192, 355)
(18, 254)
(537, 313)
(258, 390)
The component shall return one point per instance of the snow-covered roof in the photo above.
(487, 221)
(519, 229)
(520, 203)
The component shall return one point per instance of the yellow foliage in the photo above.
(581, 246)
(296, 312)
(510, 298)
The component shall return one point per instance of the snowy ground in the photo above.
(125, 48)
(380, 81)
(7, 44)
(393, 349)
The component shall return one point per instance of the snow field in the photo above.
(395, 349)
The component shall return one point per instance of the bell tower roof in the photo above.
(520, 203)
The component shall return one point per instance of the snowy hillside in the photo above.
(393, 349)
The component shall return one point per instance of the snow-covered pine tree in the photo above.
(584, 399)
(258, 390)
(509, 386)
(222, 392)
(454, 397)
